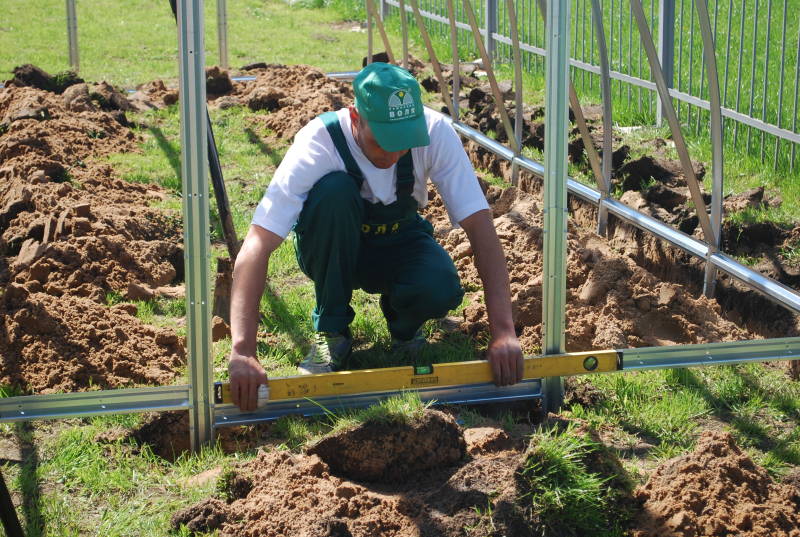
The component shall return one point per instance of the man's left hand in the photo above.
(505, 355)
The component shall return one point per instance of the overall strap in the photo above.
(405, 175)
(331, 122)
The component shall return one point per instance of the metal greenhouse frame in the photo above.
(197, 396)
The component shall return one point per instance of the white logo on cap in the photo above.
(401, 105)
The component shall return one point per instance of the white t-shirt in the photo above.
(313, 155)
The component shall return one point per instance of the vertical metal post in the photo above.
(780, 85)
(72, 36)
(518, 120)
(739, 74)
(766, 74)
(384, 9)
(710, 60)
(222, 32)
(404, 31)
(456, 77)
(605, 86)
(796, 94)
(753, 71)
(196, 241)
(554, 288)
(369, 37)
(491, 28)
(666, 48)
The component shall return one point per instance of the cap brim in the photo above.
(401, 135)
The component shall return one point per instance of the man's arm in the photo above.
(504, 352)
(249, 279)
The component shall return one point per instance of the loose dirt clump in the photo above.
(387, 451)
(62, 344)
(167, 435)
(71, 232)
(295, 94)
(716, 490)
(612, 302)
(279, 494)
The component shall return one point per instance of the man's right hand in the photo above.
(246, 376)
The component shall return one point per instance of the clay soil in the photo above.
(311, 495)
(71, 233)
(716, 490)
(470, 484)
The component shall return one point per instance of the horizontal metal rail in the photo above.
(732, 352)
(769, 287)
(96, 403)
(163, 398)
(466, 394)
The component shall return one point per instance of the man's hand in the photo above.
(246, 376)
(505, 355)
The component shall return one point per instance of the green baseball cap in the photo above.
(388, 97)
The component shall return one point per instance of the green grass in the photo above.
(563, 490)
(73, 485)
(668, 409)
(132, 43)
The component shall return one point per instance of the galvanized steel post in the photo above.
(196, 241)
(72, 36)
(605, 87)
(491, 28)
(554, 289)
(666, 47)
(404, 32)
(456, 77)
(222, 32)
(710, 57)
(518, 119)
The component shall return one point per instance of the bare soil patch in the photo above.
(71, 232)
(716, 490)
(280, 493)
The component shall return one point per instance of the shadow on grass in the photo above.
(29, 481)
(760, 435)
(275, 157)
(283, 319)
(171, 151)
(452, 348)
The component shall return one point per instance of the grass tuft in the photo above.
(563, 493)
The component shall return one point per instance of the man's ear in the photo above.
(354, 117)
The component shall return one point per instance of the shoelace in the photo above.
(322, 351)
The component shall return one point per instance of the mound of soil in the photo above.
(612, 302)
(63, 344)
(294, 94)
(280, 494)
(716, 490)
(72, 231)
(392, 450)
(167, 435)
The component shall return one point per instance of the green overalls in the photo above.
(344, 242)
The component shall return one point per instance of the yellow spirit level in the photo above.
(411, 377)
